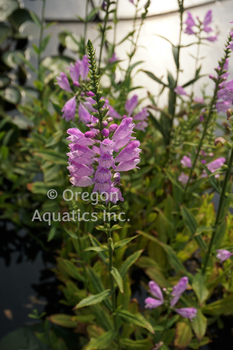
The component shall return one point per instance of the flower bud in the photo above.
(109, 119)
(105, 132)
(219, 140)
(229, 113)
(90, 134)
(105, 123)
(113, 127)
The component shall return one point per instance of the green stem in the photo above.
(103, 34)
(81, 256)
(110, 266)
(219, 213)
(41, 38)
(166, 320)
(115, 28)
(85, 26)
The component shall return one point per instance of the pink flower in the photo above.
(178, 290)
(212, 38)
(186, 162)
(131, 104)
(63, 82)
(69, 109)
(183, 178)
(180, 91)
(199, 100)
(189, 312)
(83, 113)
(114, 58)
(113, 113)
(208, 18)
(223, 254)
(155, 290)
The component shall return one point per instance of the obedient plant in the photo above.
(98, 145)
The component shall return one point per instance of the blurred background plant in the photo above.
(168, 201)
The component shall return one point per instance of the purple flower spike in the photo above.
(180, 91)
(152, 303)
(155, 290)
(223, 254)
(83, 113)
(131, 104)
(84, 67)
(186, 162)
(63, 82)
(178, 290)
(189, 312)
(69, 109)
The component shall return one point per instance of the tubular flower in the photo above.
(69, 109)
(190, 23)
(152, 303)
(63, 82)
(188, 312)
(223, 254)
(186, 162)
(180, 91)
(214, 165)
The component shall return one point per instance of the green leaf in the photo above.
(11, 94)
(190, 82)
(51, 234)
(70, 269)
(36, 19)
(199, 325)
(199, 287)
(116, 227)
(128, 344)
(220, 307)
(63, 320)
(96, 249)
(93, 299)
(52, 156)
(157, 124)
(102, 342)
(92, 14)
(102, 254)
(191, 224)
(126, 37)
(135, 319)
(183, 335)
(214, 182)
(202, 229)
(171, 255)
(98, 285)
(115, 273)
(5, 31)
(171, 80)
(7, 7)
(129, 262)
(152, 76)
(175, 51)
(44, 43)
(124, 242)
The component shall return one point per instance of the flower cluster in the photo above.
(179, 90)
(225, 94)
(201, 26)
(78, 74)
(178, 290)
(212, 166)
(106, 149)
(86, 150)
